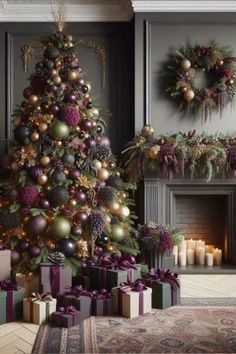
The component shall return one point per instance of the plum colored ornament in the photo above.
(74, 173)
(67, 246)
(80, 217)
(52, 88)
(28, 91)
(23, 245)
(76, 230)
(34, 250)
(72, 191)
(54, 109)
(98, 250)
(52, 53)
(70, 97)
(22, 134)
(29, 195)
(35, 171)
(117, 232)
(131, 259)
(59, 130)
(103, 140)
(90, 143)
(86, 124)
(44, 203)
(68, 158)
(80, 196)
(15, 258)
(70, 116)
(36, 225)
(59, 227)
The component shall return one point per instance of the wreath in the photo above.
(218, 65)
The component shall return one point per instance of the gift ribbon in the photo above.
(77, 290)
(2, 246)
(137, 286)
(109, 262)
(102, 295)
(55, 279)
(9, 286)
(69, 310)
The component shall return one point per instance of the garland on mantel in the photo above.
(180, 154)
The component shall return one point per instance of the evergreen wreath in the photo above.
(218, 63)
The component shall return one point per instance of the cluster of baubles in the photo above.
(64, 186)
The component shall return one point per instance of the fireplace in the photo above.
(202, 211)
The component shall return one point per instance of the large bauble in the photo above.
(15, 258)
(36, 225)
(117, 233)
(34, 250)
(59, 227)
(67, 246)
(103, 140)
(58, 196)
(69, 158)
(22, 134)
(52, 53)
(59, 130)
(80, 217)
(58, 176)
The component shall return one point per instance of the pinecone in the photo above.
(96, 223)
(102, 152)
(106, 195)
(58, 196)
(115, 182)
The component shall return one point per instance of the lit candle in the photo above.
(175, 253)
(191, 244)
(190, 256)
(209, 248)
(200, 243)
(217, 256)
(200, 255)
(209, 259)
(183, 253)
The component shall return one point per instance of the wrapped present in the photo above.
(54, 276)
(165, 287)
(38, 307)
(110, 272)
(66, 317)
(11, 297)
(132, 299)
(156, 259)
(101, 303)
(5, 262)
(78, 297)
(83, 280)
(29, 281)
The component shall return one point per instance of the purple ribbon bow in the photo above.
(163, 275)
(70, 310)
(2, 246)
(9, 285)
(77, 290)
(102, 294)
(110, 261)
(138, 286)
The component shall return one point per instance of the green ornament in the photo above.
(59, 130)
(117, 233)
(59, 227)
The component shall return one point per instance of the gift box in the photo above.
(54, 278)
(38, 308)
(30, 282)
(81, 303)
(165, 288)
(11, 296)
(82, 280)
(156, 259)
(101, 303)
(66, 317)
(5, 264)
(132, 300)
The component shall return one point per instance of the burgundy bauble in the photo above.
(66, 246)
(81, 146)
(34, 250)
(74, 173)
(15, 258)
(28, 91)
(35, 171)
(29, 195)
(36, 225)
(90, 143)
(76, 230)
(70, 116)
(80, 196)
(98, 250)
(44, 203)
(86, 124)
(23, 245)
(70, 97)
(54, 109)
(131, 259)
(103, 140)
(80, 217)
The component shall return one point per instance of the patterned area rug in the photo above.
(180, 329)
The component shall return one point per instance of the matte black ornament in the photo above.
(81, 135)
(102, 240)
(22, 134)
(99, 129)
(39, 66)
(23, 245)
(49, 64)
(89, 105)
(58, 176)
(84, 89)
(52, 53)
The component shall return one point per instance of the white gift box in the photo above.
(38, 312)
(5, 264)
(30, 282)
(133, 303)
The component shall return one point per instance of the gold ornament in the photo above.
(221, 62)
(42, 179)
(72, 202)
(122, 195)
(58, 143)
(189, 95)
(153, 152)
(69, 38)
(33, 99)
(70, 45)
(34, 136)
(148, 130)
(112, 164)
(103, 174)
(54, 72)
(107, 219)
(114, 207)
(231, 82)
(72, 75)
(185, 64)
(82, 248)
(57, 80)
(104, 165)
(43, 127)
(97, 164)
(184, 89)
(110, 247)
(124, 211)
(45, 160)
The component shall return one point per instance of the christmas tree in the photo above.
(63, 190)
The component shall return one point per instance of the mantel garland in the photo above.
(215, 61)
(179, 154)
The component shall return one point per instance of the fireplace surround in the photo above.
(201, 210)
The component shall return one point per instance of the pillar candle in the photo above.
(200, 255)
(217, 253)
(191, 244)
(183, 253)
(209, 248)
(200, 243)
(175, 253)
(190, 256)
(209, 259)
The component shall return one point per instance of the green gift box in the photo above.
(3, 302)
(164, 296)
(11, 305)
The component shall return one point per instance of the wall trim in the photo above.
(184, 5)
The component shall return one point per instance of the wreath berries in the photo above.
(214, 61)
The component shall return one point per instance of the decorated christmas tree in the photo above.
(62, 190)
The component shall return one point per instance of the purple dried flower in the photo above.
(231, 157)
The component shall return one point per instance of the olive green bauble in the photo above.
(59, 130)
(59, 227)
(117, 233)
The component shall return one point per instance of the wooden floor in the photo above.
(18, 337)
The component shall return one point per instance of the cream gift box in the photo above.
(30, 282)
(133, 303)
(5, 264)
(38, 311)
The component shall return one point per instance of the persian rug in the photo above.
(179, 329)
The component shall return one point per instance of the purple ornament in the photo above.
(54, 109)
(103, 140)
(70, 97)
(35, 171)
(86, 125)
(34, 250)
(81, 146)
(74, 173)
(52, 88)
(36, 225)
(80, 217)
(44, 203)
(15, 258)
(28, 91)
(81, 81)
(80, 196)
(76, 230)
(98, 250)
(67, 246)
(90, 143)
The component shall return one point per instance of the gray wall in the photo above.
(117, 97)
(157, 35)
